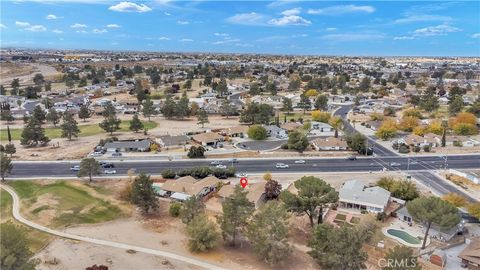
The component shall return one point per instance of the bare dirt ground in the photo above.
(24, 72)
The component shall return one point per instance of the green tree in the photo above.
(182, 108)
(10, 149)
(237, 210)
(148, 109)
(84, 113)
(196, 152)
(69, 126)
(272, 188)
(14, 251)
(305, 103)
(143, 194)
(38, 79)
(6, 115)
(222, 87)
(402, 189)
(257, 113)
(287, 105)
(6, 165)
(202, 117)
(456, 105)
(39, 114)
(53, 117)
(202, 233)
(433, 210)
(192, 207)
(338, 248)
(337, 123)
(89, 167)
(257, 132)
(357, 142)
(268, 232)
(297, 141)
(169, 108)
(401, 258)
(228, 109)
(187, 84)
(135, 123)
(33, 133)
(15, 85)
(110, 123)
(429, 100)
(313, 196)
(321, 103)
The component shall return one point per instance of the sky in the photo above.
(363, 28)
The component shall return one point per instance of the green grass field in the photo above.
(295, 115)
(36, 239)
(75, 204)
(85, 130)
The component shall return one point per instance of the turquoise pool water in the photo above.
(404, 236)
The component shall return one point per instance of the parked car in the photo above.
(352, 158)
(281, 166)
(300, 161)
(96, 154)
(395, 164)
(220, 166)
(241, 174)
(110, 171)
(216, 162)
(75, 168)
(116, 154)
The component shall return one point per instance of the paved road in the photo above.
(20, 218)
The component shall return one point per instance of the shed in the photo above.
(438, 257)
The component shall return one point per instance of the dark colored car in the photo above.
(108, 165)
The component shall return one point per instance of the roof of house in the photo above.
(330, 142)
(235, 130)
(139, 144)
(169, 140)
(255, 191)
(471, 252)
(290, 126)
(207, 137)
(188, 185)
(355, 192)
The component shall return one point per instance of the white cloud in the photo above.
(81, 31)
(289, 20)
(22, 24)
(56, 31)
(167, 14)
(476, 35)
(251, 18)
(99, 31)
(403, 38)
(422, 18)
(349, 37)
(163, 38)
(279, 3)
(221, 34)
(36, 28)
(438, 30)
(293, 11)
(113, 25)
(342, 9)
(2, 25)
(51, 17)
(183, 22)
(331, 29)
(226, 41)
(78, 25)
(186, 40)
(130, 7)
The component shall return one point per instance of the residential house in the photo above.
(237, 131)
(354, 195)
(329, 144)
(429, 139)
(291, 126)
(256, 192)
(276, 132)
(437, 232)
(208, 138)
(172, 141)
(471, 255)
(128, 146)
(187, 186)
(464, 141)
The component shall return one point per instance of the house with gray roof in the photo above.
(169, 140)
(354, 195)
(276, 132)
(129, 146)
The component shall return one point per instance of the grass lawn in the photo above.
(85, 130)
(36, 239)
(295, 115)
(75, 204)
(341, 217)
(355, 220)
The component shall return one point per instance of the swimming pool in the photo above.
(404, 236)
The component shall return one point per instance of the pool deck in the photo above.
(406, 229)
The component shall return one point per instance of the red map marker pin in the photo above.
(243, 182)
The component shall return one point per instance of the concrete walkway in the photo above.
(21, 219)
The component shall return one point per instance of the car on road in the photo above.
(220, 166)
(395, 164)
(233, 160)
(413, 162)
(241, 174)
(107, 165)
(216, 162)
(75, 168)
(300, 161)
(110, 171)
(352, 158)
(96, 154)
(116, 154)
(281, 166)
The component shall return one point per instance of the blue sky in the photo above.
(281, 27)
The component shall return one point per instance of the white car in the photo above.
(110, 171)
(300, 161)
(395, 164)
(216, 162)
(75, 168)
(220, 166)
(281, 166)
(96, 154)
(241, 174)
